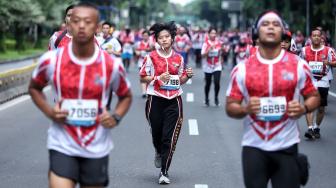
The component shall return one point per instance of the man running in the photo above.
(62, 37)
(270, 84)
(320, 59)
(79, 139)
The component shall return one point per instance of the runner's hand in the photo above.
(107, 120)
(189, 72)
(253, 106)
(295, 109)
(58, 115)
(164, 77)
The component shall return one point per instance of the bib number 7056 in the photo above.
(81, 112)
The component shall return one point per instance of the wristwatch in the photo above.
(117, 118)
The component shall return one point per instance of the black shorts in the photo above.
(85, 171)
(324, 95)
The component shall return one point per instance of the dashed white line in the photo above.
(193, 127)
(201, 186)
(332, 94)
(189, 82)
(190, 97)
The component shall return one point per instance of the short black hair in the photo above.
(88, 5)
(316, 29)
(212, 28)
(158, 27)
(68, 9)
(107, 23)
(146, 31)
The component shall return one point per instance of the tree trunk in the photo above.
(19, 35)
(2, 41)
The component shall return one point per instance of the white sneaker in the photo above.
(157, 160)
(164, 179)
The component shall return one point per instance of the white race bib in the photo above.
(82, 112)
(316, 67)
(213, 53)
(180, 44)
(172, 84)
(241, 54)
(127, 47)
(272, 108)
(143, 53)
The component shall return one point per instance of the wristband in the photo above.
(117, 118)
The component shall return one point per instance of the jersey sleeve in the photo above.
(235, 88)
(147, 68)
(331, 55)
(204, 47)
(43, 71)
(116, 45)
(120, 84)
(52, 41)
(306, 79)
(182, 69)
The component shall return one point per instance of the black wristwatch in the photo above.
(117, 118)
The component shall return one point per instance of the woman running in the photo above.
(164, 72)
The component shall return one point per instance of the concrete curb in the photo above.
(14, 83)
(21, 59)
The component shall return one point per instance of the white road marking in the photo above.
(193, 127)
(14, 102)
(332, 94)
(18, 100)
(201, 186)
(190, 97)
(189, 82)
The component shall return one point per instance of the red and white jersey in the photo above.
(251, 50)
(155, 64)
(242, 53)
(127, 42)
(319, 55)
(91, 79)
(212, 62)
(143, 47)
(181, 42)
(287, 76)
(64, 41)
(197, 40)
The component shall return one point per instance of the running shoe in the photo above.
(164, 178)
(310, 134)
(317, 133)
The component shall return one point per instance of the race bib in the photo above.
(143, 53)
(213, 53)
(316, 67)
(272, 108)
(180, 44)
(241, 54)
(81, 112)
(127, 47)
(172, 84)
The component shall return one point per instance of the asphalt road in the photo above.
(209, 159)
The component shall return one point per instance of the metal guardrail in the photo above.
(14, 83)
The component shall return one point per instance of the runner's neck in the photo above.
(83, 51)
(269, 53)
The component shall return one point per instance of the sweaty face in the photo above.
(164, 39)
(212, 35)
(106, 29)
(316, 37)
(68, 16)
(84, 24)
(270, 32)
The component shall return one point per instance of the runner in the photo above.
(320, 58)
(107, 42)
(163, 71)
(212, 66)
(127, 40)
(197, 41)
(79, 139)
(270, 84)
(182, 44)
(62, 37)
(143, 47)
(241, 50)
